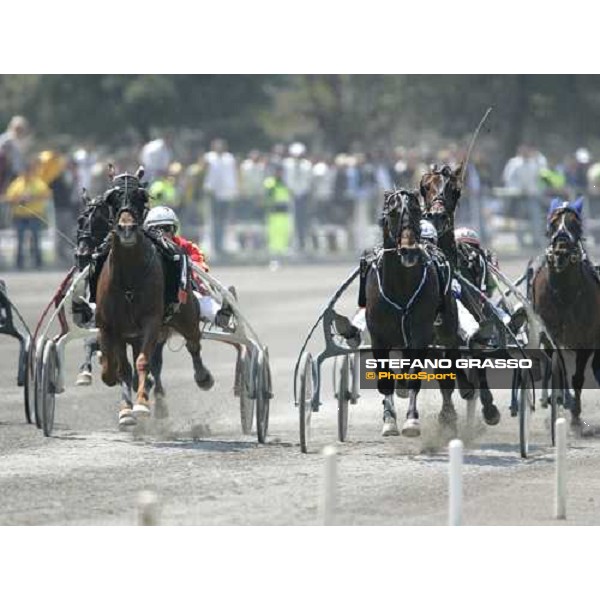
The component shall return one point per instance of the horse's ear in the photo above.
(111, 171)
(556, 203)
(577, 206)
(140, 172)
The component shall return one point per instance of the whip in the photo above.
(475, 134)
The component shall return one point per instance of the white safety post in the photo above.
(329, 485)
(455, 450)
(147, 508)
(560, 498)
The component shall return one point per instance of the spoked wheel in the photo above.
(28, 395)
(523, 394)
(242, 391)
(47, 388)
(37, 364)
(305, 391)
(263, 395)
(343, 380)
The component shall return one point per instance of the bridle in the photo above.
(397, 205)
(563, 242)
(438, 205)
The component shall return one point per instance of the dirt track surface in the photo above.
(206, 472)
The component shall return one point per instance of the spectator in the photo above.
(250, 209)
(52, 170)
(297, 174)
(593, 178)
(12, 159)
(323, 184)
(29, 196)
(164, 190)
(12, 148)
(156, 156)
(193, 192)
(279, 222)
(84, 168)
(576, 171)
(522, 175)
(221, 184)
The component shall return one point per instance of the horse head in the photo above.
(129, 200)
(564, 230)
(400, 221)
(93, 226)
(441, 188)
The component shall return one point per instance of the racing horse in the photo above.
(565, 292)
(130, 305)
(403, 297)
(441, 189)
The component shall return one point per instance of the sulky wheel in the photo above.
(305, 390)
(523, 398)
(47, 387)
(243, 392)
(263, 394)
(25, 369)
(36, 364)
(344, 384)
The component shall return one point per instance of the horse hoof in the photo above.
(126, 419)
(581, 428)
(491, 414)
(141, 410)
(206, 382)
(467, 393)
(411, 428)
(390, 427)
(84, 378)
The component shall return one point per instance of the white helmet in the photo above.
(428, 231)
(161, 215)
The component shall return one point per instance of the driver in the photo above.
(162, 220)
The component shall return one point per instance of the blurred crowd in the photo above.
(282, 202)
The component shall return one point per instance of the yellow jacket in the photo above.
(28, 196)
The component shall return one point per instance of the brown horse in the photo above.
(403, 297)
(441, 189)
(565, 292)
(130, 302)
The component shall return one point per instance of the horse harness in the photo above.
(433, 258)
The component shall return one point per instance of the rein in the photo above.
(403, 310)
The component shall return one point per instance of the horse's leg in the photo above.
(156, 364)
(186, 323)
(412, 426)
(491, 414)
(125, 374)
(385, 387)
(85, 370)
(108, 347)
(581, 360)
(143, 352)
(447, 417)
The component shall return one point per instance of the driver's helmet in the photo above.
(467, 236)
(428, 231)
(160, 217)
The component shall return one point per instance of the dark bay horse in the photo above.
(403, 297)
(130, 302)
(441, 189)
(565, 292)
